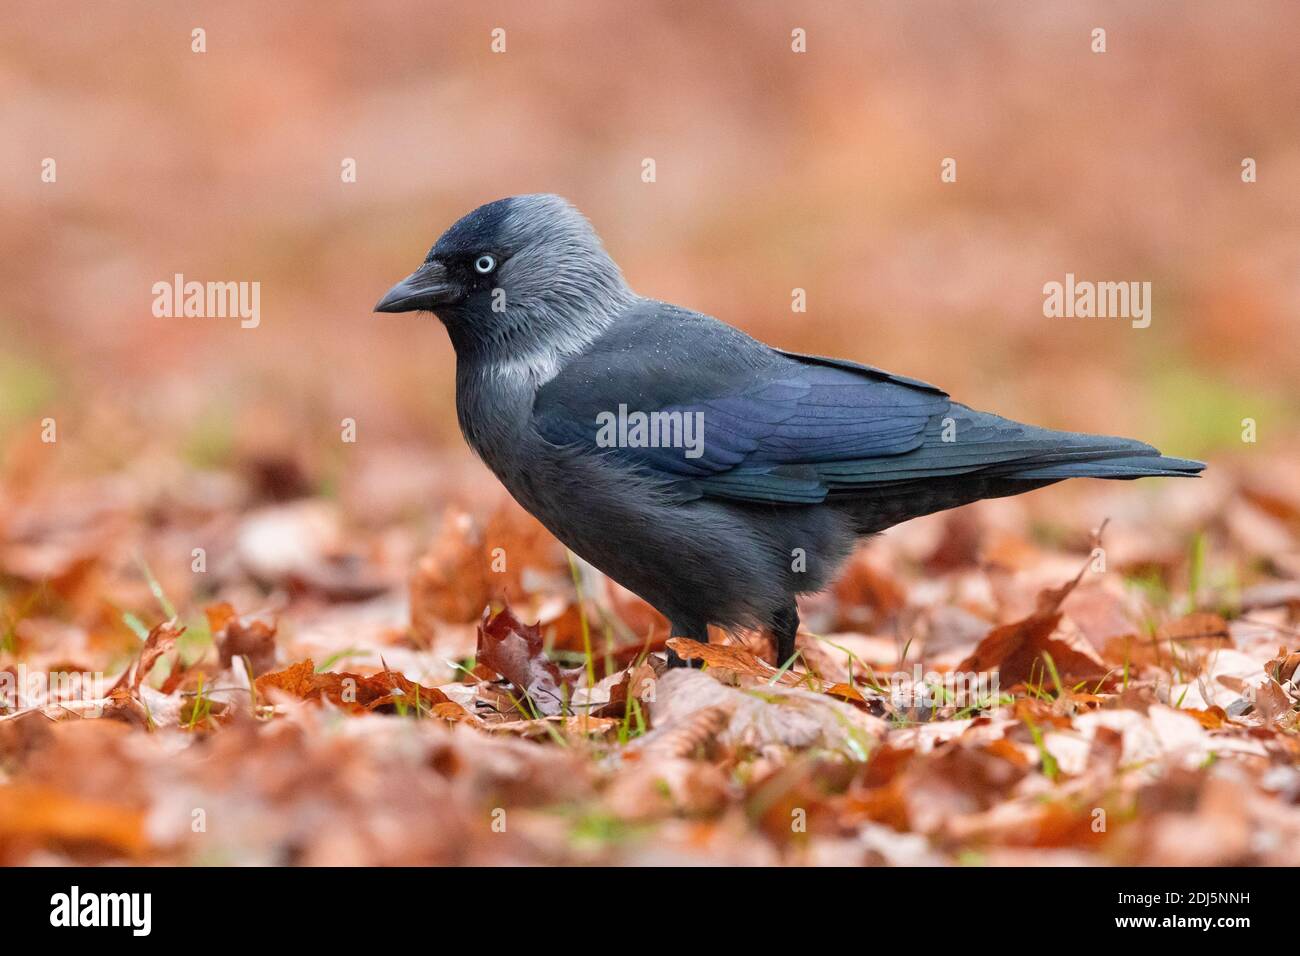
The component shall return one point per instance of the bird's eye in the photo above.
(485, 264)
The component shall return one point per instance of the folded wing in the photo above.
(784, 428)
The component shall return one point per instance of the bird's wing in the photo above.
(771, 421)
(784, 428)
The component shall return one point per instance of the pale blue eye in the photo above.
(485, 264)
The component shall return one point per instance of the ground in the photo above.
(1096, 673)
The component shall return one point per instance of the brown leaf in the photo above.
(846, 692)
(691, 736)
(1211, 718)
(358, 693)
(459, 575)
(1283, 667)
(249, 637)
(1102, 614)
(160, 640)
(633, 684)
(1031, 710)
(178, 676)
(665, 785)
(1016, 650)
(731, 657)
(1271, 701)
(761, 717)
(403, 691)
(957, 780)
(450, 581)
(296, 680)
(580, 725)
(514, 650)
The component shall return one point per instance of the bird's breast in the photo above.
(494, 411)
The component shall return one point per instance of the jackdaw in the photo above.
(713, 475)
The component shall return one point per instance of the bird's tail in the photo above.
(1123, 466)
(999, 448)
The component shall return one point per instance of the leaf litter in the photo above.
(382, 693)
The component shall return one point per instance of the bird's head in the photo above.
(519, 277)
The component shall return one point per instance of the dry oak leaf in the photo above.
(1016, 650)
(731, 657)
(359, 693)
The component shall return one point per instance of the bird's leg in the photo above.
(785, 625)
(700, 634)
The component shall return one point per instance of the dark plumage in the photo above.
(800, 455)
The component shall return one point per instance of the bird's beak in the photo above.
(423, 290)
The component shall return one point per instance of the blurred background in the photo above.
(775, 170)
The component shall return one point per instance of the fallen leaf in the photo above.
(637, 681)
(161, 639)
(846, 692)
(691, 736)
(764, 716)
(665, 784)
(1016, 650)
(1211, 718)
(732, 657)
(577, 725)
(1283, 667)
(1271, 701)
(515, 651)
(234, 636)
(388, 690)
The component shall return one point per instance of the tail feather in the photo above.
(1127, 466)
(1000, 448)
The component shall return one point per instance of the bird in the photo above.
(713, 475)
